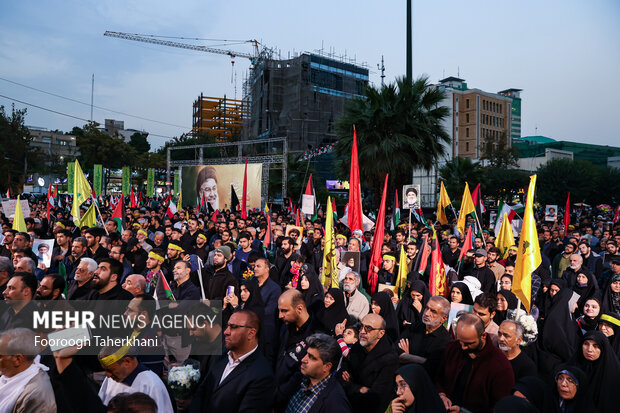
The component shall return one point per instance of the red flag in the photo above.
(437, 283)
(467, 245)
(140, 198)
(50, 200)
(214, 216)
(424, 254)
(617, 215)
(355, 195)
(55, 191)
(244, 200)
(267, 239)
(567, 215)
(376, 259)
(309, 186)
(297, 223)
(474, 195)
(132, 197)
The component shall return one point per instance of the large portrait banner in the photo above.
(213, 182)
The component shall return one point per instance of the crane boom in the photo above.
(138, 38)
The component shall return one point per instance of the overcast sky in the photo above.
(565, 55)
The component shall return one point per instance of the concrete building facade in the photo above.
(56, 147)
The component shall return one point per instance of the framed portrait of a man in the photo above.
(411, 196)
(551, 213)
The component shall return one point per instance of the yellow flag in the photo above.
(330, 264)
(467, 207)
(444, 201)
(81, 190)
(505, 239)
(528, 255)
(19, 224)
(89, 219)
(401, 279)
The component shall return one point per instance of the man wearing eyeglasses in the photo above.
(367, 375)
(241, 380)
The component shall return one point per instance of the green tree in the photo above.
(559, 176)
(139, 142)
(607, 188)
(398, 129)
(456, 172)
(504, 184)
(497, 154)
(97, 147)
(16, 155)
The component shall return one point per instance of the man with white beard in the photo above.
(509, 339)
(424, 342)
(357, 305)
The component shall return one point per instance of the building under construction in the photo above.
(219, 117)
(300, 98)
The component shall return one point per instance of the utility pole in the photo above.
(382, 72)
(409, 43)
(92, 97)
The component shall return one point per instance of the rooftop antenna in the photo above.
(458, 71)
(382, 68)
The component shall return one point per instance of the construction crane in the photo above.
(254, 57)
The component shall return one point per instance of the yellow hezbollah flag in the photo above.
(401, 279)
(467, 207)
(89, 219)
(505, 239)
(444, 201)
(81, 190)
(330, 264)
(19, 223)
(528, 255)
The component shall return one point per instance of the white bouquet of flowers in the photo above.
(183, 381)
(530, 328)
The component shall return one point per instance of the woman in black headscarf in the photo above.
(247, 298)
(534, 390)
(609, 324)
(506, 300)
(596, 358)
(570, 392)
(546, 299)
(586, 286)
(611, 297)
(514, 404)
(591, 312)
(335, 311)
(560, 334)
(411, 307)
(459, 293)
(415, 392)
(382, 305)
(311, 288)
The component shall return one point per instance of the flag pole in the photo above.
(99, 212)
(409, 224)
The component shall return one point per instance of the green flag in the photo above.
(97, 178)
(150, 183)
(126, 178)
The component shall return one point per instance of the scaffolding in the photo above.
(274, 157)
(222, 118)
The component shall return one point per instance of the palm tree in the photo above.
(398, 129)
(456, 172)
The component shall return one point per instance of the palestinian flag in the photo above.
(50, 201)
(334, 210)
(395, 213)
(163, 290)
(117, 215)
(616, 215)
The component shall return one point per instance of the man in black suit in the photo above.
(320, 390)
(243, 379)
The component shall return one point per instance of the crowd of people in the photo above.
(290, 343)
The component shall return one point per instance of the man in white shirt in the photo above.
(124, 374)
(357, 304)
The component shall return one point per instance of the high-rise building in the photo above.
(515, 95)
(301, 98)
